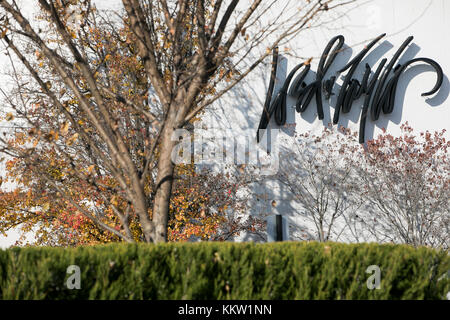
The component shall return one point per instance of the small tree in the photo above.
(315, 170)
(105, 95)
(405, 182)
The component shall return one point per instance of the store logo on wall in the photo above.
(378, 89)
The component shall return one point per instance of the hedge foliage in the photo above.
(285, 270)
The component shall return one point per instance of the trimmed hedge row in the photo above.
(285, 270)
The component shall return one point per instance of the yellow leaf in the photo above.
(46, 206)
(9, 116)
(114, 200)
(90, 168)
(3, 34)
(64, 128)
(72, 139)
(52, 135)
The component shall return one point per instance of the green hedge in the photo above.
(285, 270)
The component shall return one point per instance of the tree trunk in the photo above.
(142, 212)
(164, 184)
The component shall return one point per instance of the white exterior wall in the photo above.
(427, 21)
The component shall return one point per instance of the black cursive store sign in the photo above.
(378, 89)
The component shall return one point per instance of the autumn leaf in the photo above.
(46, 206)
(114, 201)
(3, 34)
(90, 168)
(9, 116)
(52, 135)
(64, 128)
(72, 139)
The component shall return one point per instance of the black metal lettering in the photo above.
(376, 100)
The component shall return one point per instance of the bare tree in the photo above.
(315, 170)
(107, 93)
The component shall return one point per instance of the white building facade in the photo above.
(420, 26)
